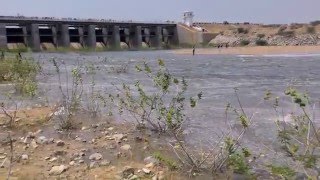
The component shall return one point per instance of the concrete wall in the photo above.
(189, 37)
(90, 39)
(33, 37)
(3, 36)
(156, 36)
(207, 37)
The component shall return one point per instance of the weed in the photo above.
(282, 171)
(168, 162)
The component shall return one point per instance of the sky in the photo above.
(257, 11)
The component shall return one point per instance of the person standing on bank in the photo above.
(193, 50)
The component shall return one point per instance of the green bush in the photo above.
(22, 72)
(244, 42)
(286, 33)
(311, 30)
(261, 42)
(261, 36)
(241, 30)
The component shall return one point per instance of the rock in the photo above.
(150, 165)
(138, 139)
(95, 156)
(33, 144)
(84, 128)
(31, 135)
(57, 170)
(25, 140)
(125, 147)
(118, 137)
(60, 143)
(24, 157)
(105, 163)
(53, 159)
(95, 125)
(146, 171)
(127, 172)
(47, 158)
(110, 128)
(42, 140)
(134, 177)
(60, 153)
(81, 161)
(93, 165)
(51, 141)
(3, 156)
(38, 132)
(150, 159)
(158, 176)
(72, 163)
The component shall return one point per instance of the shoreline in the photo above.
(252, 50)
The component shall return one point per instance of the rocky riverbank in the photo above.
(99, 150)
(277, 40)
(247, 34)
(254, 50)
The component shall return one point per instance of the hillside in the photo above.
(254, 34)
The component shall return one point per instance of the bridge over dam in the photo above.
(35, 33)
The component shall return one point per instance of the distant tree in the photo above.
(261, 42)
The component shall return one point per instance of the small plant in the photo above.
(241, 30)
(300, 138)
(238, 163)
(282, 171)
(22, 72)
(311, 30)
(260, 36)
(244, 42)
(162, 110)
(10, 115)
(71, 97)
(168, 162)
(261, 42)
(288, 33)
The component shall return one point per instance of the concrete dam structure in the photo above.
(36, 32)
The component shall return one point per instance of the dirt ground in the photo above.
(37, 147)
(255, 50)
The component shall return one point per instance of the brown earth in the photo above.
(94, 137)
(254, 50)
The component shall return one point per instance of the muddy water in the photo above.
(215, 75)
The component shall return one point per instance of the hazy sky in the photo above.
(265, 11)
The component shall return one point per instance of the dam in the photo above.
(35, 33)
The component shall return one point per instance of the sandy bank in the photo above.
(255, 50)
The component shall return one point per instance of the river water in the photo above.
(216, 76)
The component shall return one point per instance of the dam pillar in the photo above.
(146, 36)
(115, 40)
(63, 37)
(105, 36)
(3, 36)
(33, 37)
(54, 35)
(81, 36)
(156, 40)
(165, 35)
(91, 38)
(174, 39)
(137, 39)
